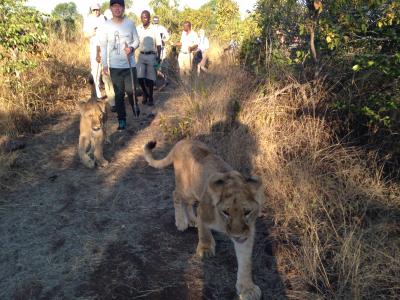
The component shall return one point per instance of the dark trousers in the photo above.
(121, 79)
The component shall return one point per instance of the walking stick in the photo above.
(132, 102)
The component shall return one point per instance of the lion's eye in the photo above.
(247, 212)
(226, 213)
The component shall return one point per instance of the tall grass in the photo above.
(335, 217)
(53, 87)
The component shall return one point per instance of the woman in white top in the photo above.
(90, 29)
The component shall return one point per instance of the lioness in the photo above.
(92, 132)
(227, 202)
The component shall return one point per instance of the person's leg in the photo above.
(150, 76)
(95, 71)
(141, 74)
(131, 91)
(117, 77)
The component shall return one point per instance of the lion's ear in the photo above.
(102, 105)
(215, 185)
(256, 187)
(82, 107)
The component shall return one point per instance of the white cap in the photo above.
(95, 6)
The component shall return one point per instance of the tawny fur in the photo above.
(93, 133)
(227, 202)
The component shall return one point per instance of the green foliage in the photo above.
(22, 32)
(65, 21)
(227, 19)
(65, 11)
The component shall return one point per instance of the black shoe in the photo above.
(113, 108)
(121, 125)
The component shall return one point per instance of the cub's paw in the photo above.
(103, 163)
(89, 163)
(205, 251)
(193, 223)
(249, 292)
(181, 223)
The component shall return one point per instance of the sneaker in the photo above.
(113, 108)
(121, 124)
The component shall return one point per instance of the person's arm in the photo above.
(135, 39)
(195, 45)
(166, 35)
(206, 44)
(158, 43)
(103, 42)
(88, 30)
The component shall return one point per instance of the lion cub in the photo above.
(92, 133)
(227, 202)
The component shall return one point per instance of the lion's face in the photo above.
(236, 203)
(94, 112)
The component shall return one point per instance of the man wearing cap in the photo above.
(118, 40)
(90, 29)
(188, 44)
(150, 49)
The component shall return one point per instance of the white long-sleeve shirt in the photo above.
(91, 25)
(113, 37)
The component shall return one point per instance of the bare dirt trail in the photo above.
(74, 233)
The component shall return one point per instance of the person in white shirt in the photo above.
(90, 29)
(108, 85)
(188, 44)
(149, 56)
(164, 34)
(204, 45)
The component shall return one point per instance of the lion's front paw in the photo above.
(181, 226)
(180, 222)
(103, 163)
(89, 163)
(251, 292)
(193, 223)
(205, 251)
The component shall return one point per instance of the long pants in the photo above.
(108, 86)
(95, 70)
(185, 61)
(122, 84)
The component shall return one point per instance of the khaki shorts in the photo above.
(145, 66)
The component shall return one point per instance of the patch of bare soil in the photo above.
(72, 233)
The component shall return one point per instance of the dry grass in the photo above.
(53, 87)
(335, 217)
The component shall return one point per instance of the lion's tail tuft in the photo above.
(155, 163)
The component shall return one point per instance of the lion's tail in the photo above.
(155, 163)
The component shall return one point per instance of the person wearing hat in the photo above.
(118, 40)
(150, 50)
(90, 30)
(108, 85)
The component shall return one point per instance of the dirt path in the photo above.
(74, 233)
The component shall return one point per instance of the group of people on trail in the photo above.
(123, 54)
